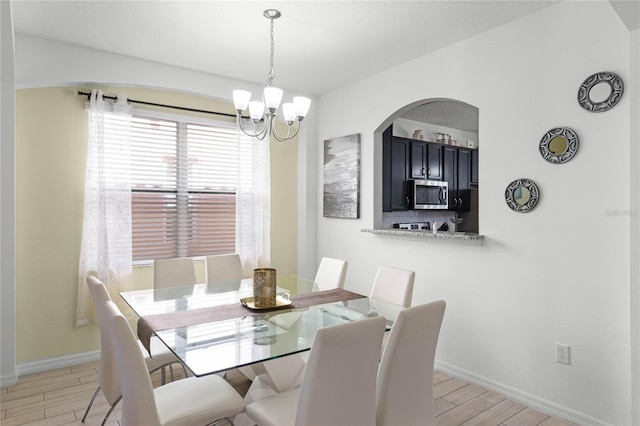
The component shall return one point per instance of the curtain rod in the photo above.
(88, 95)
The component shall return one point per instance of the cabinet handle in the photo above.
(428, 172)
(407, 199)
(460, 201)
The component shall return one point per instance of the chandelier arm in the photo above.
(289, 135)
(257, 134)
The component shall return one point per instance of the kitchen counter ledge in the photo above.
(425, 234)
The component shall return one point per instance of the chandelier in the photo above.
(262, 114)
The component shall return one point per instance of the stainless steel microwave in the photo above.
(428, 195)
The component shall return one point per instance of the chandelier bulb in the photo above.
(302, 105)
(272, 98)
(241, 99)
(289, 113)
(256, 111)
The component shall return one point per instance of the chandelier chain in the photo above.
(272, 73)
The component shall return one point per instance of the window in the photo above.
(183, 177)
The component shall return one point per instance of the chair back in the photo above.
(173, 272)
(138, 400)
(393, 285)
(331, 273)
(335, 359)
(405, 378)
(108, 376)
(224, 267)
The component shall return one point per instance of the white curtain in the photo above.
(106, 234)
(253, 203)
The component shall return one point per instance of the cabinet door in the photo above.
(450, 174)
(386, 169)
(474, 166)
(434, 161)
(399, 174)
(418, 160)
(464, 179)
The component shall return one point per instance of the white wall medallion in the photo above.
(559, 145)
(600, 91)
(522, 195)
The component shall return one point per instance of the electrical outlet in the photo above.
(563, 353)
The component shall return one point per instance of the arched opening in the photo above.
(427, 165)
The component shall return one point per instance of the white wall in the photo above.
(557, 274)
(634, 91)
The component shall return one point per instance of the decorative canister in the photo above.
(264, 287)
(417, 134)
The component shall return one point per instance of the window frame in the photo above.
(182, 121)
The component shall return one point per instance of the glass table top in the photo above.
(255, 337)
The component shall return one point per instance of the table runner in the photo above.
(149, 324)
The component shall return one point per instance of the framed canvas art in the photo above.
(341, 195)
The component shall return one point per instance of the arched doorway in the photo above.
(428, 140)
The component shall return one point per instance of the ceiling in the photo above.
(320, 45)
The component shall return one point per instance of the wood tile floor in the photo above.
(60, 397)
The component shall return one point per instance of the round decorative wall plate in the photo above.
(522, 195)
(559, 145)
(600, 92)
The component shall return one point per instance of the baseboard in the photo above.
(524, 398)
(8, 380)
(59, 362)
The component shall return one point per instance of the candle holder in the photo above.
(264, 287)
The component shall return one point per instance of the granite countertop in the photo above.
(425, 234)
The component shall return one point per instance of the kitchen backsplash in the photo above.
(415, 216)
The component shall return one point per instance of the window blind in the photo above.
(183, 188)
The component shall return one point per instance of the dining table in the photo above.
(211, 328)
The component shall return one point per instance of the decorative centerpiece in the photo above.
(264, 287)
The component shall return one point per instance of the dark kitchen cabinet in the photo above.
(396, 156)
(434, 161)
(426, 160)
(457, 173)
(418, 160)
(474, 166)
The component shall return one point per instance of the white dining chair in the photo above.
(393, 285)
(228, 267)
(191, 401)
(223, 267)
(405, 378)
(331, 273)
(173, 272)
(108, 375)
(339, 383)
